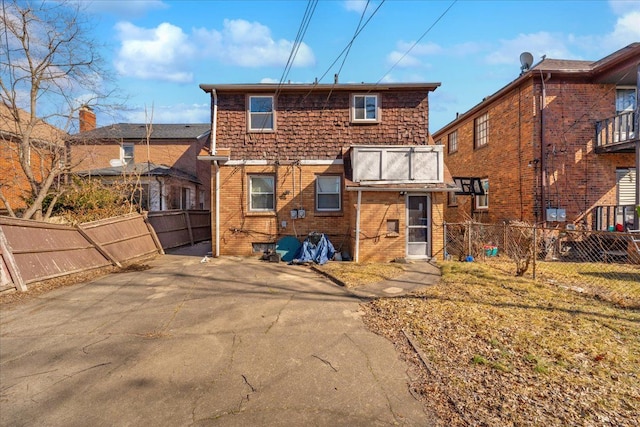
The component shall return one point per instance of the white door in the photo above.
(418, 229)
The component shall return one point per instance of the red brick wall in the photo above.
(577, 178)
(239, 228)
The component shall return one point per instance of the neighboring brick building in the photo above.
(556, 146)
(46, 149)
(165, 163)
(353, 161)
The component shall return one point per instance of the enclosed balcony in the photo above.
(617, 134)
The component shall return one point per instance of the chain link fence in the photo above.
(599, 263)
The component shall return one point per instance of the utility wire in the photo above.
(346, 48)
(344, 59)
(304, 25)
(418, 41)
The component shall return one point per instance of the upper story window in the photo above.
(365, 108)
(126, 153)
(261, 193)
(261, 113)
(328, 193)
(482, 202)
(481, 130)
(453, 141)
(625, 99)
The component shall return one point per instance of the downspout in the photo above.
(543, 149)
(357, 248)
(214, 128)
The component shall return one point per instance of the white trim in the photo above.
(428, 227)
(272, 162)
(421, 190)
(321, 162)
(247, 163)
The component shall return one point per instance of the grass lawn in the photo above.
(498, 350)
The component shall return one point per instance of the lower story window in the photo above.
(261, 189)
(328, 193)
(482, 202)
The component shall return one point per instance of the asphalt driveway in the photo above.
(230, 342)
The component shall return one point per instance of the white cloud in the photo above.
(542, 43)
(161, 53)
(250, 44)
(623, 7)
(407, 55)
(626, 31)
(126, 9)
(355, 5)
(179, 113)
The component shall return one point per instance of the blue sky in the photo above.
(162, 50)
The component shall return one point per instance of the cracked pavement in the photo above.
(229, 342)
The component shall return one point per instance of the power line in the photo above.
(418, 41)
(304, 25)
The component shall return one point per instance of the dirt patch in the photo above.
(353, 275)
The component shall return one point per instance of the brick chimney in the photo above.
(87, 118)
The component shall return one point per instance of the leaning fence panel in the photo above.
(605, 264)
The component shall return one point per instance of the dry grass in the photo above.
(354, 275)
(617, 283)
(507, 351)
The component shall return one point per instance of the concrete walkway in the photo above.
(228, 342)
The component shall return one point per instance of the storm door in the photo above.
(418, 226)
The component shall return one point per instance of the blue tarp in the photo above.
(317, 248)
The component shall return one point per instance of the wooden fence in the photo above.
(178, 228)
(32, 251)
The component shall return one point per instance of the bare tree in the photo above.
(49, 69)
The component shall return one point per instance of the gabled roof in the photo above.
(141, 169)
(138, 131)
(619, 67)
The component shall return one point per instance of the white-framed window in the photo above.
(261, 193)
(625, 99)
(452, 142)
(481, 130)
(260, 113)
(365, 108)
(328, 193)
(127, 153)
(482, 202)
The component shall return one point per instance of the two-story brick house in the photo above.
(556, 146)
(162, 158)
(352, 161)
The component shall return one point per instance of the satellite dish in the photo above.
(115, 163)
(526, 59)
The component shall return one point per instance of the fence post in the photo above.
(535, 249)
(10, 260)
(469, 236)
(188, 220)
(444, 240)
